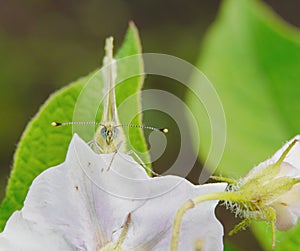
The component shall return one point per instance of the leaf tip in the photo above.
(132, 25)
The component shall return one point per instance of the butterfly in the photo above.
(109, 136)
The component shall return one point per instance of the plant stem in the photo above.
(226, 196)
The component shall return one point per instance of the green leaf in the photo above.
(42, 146)
(252, 57)
(229, 246)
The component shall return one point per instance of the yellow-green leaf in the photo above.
(42, 146)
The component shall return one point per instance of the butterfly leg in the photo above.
(131, 152)
(114, 154)
(96, 148)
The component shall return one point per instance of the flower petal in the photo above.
(290, 166)
(293, 157)
(66, 200)
(157, 215)
(83, 203)
(21, 234)
(287, 208)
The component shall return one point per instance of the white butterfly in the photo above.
(109, 136)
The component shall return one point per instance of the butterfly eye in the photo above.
(104, 132)
(115, 132)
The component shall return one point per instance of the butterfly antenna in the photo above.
(163, 130)
(74, 123)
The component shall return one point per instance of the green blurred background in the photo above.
(46, 44)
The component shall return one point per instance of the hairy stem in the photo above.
(226, 196)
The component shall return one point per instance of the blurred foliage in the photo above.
(252, 57)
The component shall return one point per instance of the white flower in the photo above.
(286, 198)
(269, 192)
(98, 202)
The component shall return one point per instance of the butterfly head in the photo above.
(109, 133)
